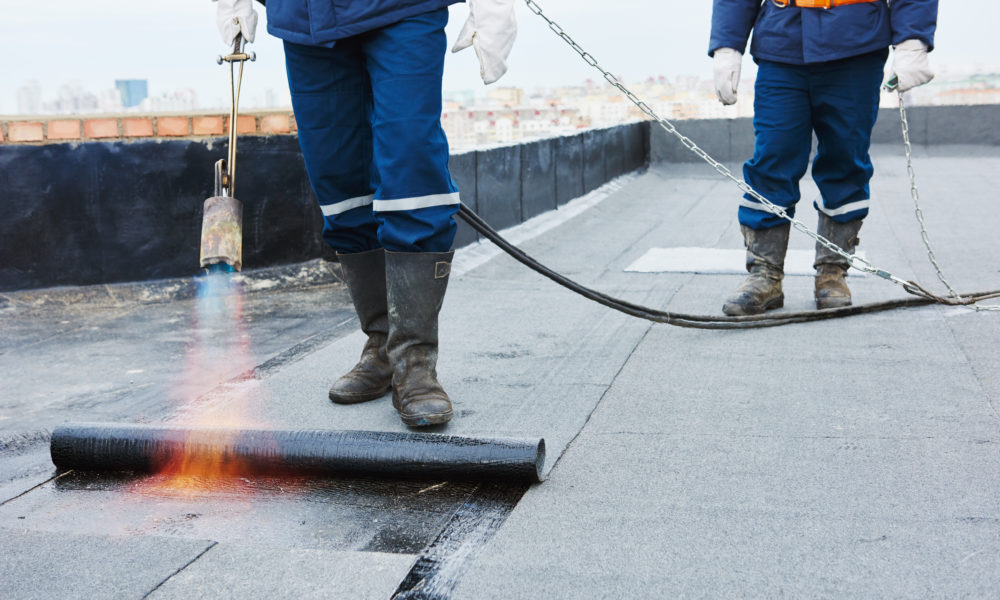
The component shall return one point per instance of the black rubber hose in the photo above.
(159, 448)
(700, 321)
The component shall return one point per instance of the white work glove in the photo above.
(728, 63)
(910, 65)
(234, 17)
(490, 29)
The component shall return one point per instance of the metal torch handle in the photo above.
(228, 186)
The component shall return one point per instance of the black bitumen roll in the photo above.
(152, 448)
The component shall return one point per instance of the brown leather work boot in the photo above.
(831, 268)
(761, 290)
(364, 274)
(416, 284)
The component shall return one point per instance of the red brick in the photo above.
(207, 125)
(64, 129)
(137, 127)
(246, 124)
(25, 131)
(173, 126)
(274, 124)
(100, 128)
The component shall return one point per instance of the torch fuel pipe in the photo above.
(235, 84)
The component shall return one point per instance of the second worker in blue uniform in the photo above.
(820, 65)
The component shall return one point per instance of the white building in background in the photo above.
(178, 101)
(473, 127)
(29, 98)
(72, 98)
(505, 96)
(109, 101)
(956, 88)
(509, 115)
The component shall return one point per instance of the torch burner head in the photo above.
(222, 232)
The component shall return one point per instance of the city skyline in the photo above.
(127, 41)
(505, 115)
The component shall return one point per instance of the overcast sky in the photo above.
(174, 44)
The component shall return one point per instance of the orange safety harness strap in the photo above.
(818, 3)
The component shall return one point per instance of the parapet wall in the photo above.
(105, 200)
(732, 140)
(111, 199)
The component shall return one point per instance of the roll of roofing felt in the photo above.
(171, 448)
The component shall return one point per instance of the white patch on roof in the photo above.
(718, 261)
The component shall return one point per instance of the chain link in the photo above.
(854, 260)
(918, 211)
(915, 194)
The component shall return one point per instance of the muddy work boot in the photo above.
(761, 290)
(416, 283)
(831, 268)
(364, 274)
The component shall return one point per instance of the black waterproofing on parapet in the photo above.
(153, 448)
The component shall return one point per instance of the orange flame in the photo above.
(219, 352)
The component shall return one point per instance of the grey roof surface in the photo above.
(857, 457)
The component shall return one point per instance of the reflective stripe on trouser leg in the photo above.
(416, 198)
(783, 139)
(427, 228)
(845, 96)
(331, 96)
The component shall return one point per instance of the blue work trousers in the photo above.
(839, 101)
(368, 112)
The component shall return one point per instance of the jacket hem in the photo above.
(826, 58)
(328, 37)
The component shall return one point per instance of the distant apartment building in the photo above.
(473, 127)
(109, 101)
(505, 96)
(133, 91)
(509, 115)
(72, 98)
(29, 98)
(176, 101)
(961, 89)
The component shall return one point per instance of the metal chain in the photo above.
(916, 199)
(854, 260)
(915, 194)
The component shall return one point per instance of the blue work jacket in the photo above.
(323, 22)
(802, 36)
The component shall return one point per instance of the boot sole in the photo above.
(359, 398)
(739, 310)
(427, 420)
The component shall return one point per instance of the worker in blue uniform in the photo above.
(820, 66)
(365, 80)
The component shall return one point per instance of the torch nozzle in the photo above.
(222, 232)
